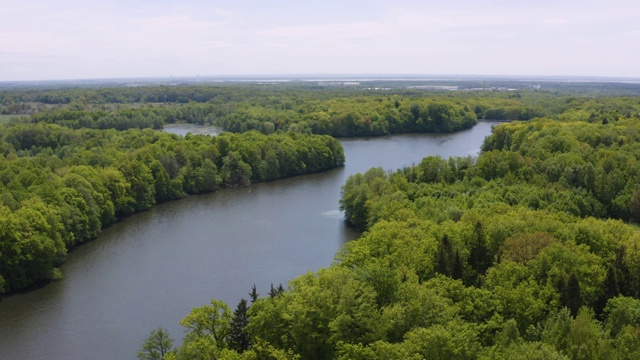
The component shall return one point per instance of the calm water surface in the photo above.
(152, 268)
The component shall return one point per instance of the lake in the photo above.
(152, 268)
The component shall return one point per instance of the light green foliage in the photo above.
(453, 340)
(524, 351)
(579, 338)
(622, 312)
(157, 346)
(380, 350)
(537, 265)
(211, 322)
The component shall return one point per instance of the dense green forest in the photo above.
(303, 108)
(522, 253)
(59, 187)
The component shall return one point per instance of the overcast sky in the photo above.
(74, 39)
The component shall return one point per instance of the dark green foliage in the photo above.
(59, 187)
(235, 172)
(479, 257)
(239, 340)
(445, 257)
(571, 294)
(253, 295)
(457, 270)
(610, 290)
(529, 222)
(275, 291)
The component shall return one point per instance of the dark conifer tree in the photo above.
(273, 292)
(239, 340)
(253, 295)
(442, 266)
(611, 289)
(622, 273)
(457, 270)
(444, 257)
(479, 257)
(573, 294)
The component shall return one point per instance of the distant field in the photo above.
(4, 119)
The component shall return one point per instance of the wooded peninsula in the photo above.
(528, 251)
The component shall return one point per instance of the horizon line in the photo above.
(341, 77)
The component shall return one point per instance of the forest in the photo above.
(305, 108)
(59, 186)
(528, 251)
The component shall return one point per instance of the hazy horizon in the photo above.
(453, 78)
(75, 40)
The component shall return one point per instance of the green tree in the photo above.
(239, 340)
(253, 295)
(571, 295)
(211, 321)
(235, 172)
(156, 346)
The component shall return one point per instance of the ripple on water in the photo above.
(333, 214)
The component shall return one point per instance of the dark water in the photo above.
(152, 268)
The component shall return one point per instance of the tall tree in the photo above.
(457, 270)
(479, 257)
(211, 321)
(239, 340)
(573, 295)
(445, 257)
(254, 294)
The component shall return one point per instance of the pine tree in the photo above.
(479, 257)
(609, 290)
(444, 257)
(442, 265)
(574, 300)
(457, 270)
(622, 272)
(253, 295)
(239, 340)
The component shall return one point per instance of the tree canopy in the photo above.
(523, 252)
(59, 186)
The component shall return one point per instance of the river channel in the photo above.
(152, 268)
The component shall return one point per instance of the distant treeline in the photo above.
(59, 187)
(300, 108)
(340, 118)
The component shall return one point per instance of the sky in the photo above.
(88, 39)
